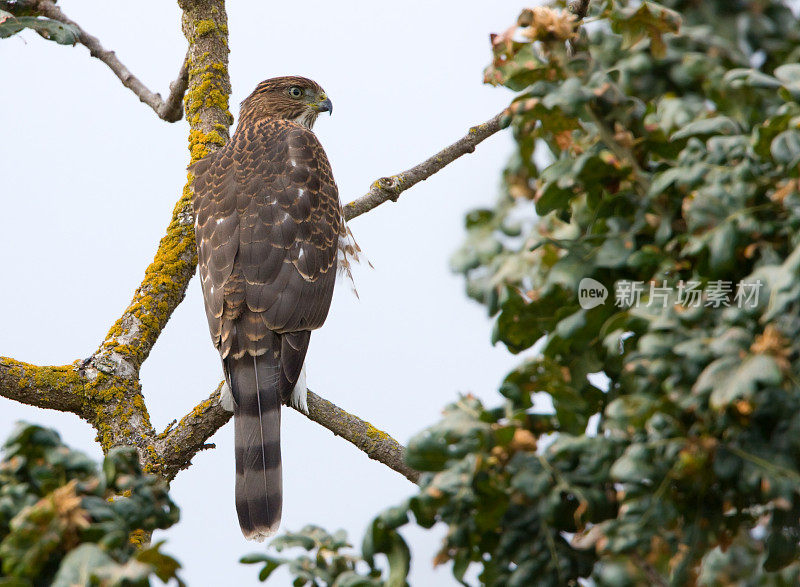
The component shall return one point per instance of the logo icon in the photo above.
(591, 293)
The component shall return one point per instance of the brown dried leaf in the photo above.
(68, 506)
(523, 440)
(772, 342)
(546, 24)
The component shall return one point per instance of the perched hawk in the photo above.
(270, 232)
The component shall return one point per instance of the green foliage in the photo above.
(663, 151)
(64, 523)
(52, 30)
(647, 20)
(325, 565)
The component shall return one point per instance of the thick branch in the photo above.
(53, 388)
(170, 110)
(105, 389)
(112, 405)
(179, 444)
(390, 188)
(130, 340)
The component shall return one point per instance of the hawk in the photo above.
(270, 237)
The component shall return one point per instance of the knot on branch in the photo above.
(390, 186)
(113, 363)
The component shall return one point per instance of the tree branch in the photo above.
(130, 340)
(390, 188)
(377, 444)
(116, 409)
(113, 406)
(105, 388)
(179, 444)
(169, 110)
(52, 388)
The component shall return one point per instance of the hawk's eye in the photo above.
(295, 92)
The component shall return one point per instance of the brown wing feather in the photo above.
(216, 231)
(268, 221)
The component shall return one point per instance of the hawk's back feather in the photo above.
(268, 221)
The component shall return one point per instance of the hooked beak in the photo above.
(324, 106)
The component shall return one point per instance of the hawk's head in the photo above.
(290, 98)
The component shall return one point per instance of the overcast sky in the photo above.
(89, 178)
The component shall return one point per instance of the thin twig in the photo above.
(653, 576)
(171, 110)
(622, 153)
(390, 188)
(580, 8)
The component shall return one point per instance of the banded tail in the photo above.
(259, 385)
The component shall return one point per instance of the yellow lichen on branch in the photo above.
(44, 387)
(114, 406)
(209, 90)
(130, 340)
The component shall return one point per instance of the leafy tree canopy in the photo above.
(63, 522)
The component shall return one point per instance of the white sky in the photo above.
(88, 179)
